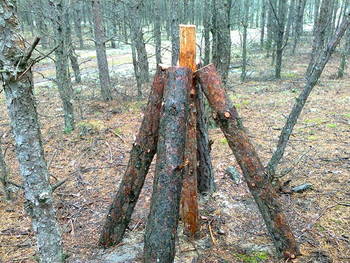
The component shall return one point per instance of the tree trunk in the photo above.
(102, 63)
(164, 213)
(312, 78)
(298, 23)
(244, 40)
(175, 40)
(17, 81)
(270, 29)
(316, 12)
(264, 194)
(141, 157)
(290, 20)
(136, 71)
(207, 26)
(262, 23)
(139, 42)
(77, 23)
(157, 31)
(4, 174)
(345, 52)
(40, 19)
(72, 56)
(321, 33)
(222, 36)
(61, 63)
(205, 173)
(279, 34)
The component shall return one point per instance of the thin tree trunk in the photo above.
(175, 40)
(312, 78)
(316, 12)
(157, 31)
(222, 36)
(17, 81)
(321, 33)
(4, 174)
(61, 63)
(136, 71)
(244, 40)
(102, 63)
(72, 56)
(263, 192)
(279, 33)
(141, 157)
(298, 23)
(164, 213)
(262, 23)
(77, 9)
(207, 26)
(139, 42)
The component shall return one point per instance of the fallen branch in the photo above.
(60, 183)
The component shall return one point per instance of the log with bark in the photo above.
(164, 213)
(205, 173)
(141, 156)
(264, 194)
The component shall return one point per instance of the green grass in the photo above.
(254, 257)
(332, 125)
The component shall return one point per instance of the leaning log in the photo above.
(205, 173)
(141, 156)
(164, 213)
(264, 194)
(189, 203)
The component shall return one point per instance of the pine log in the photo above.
(164, 213)
(205, 173)
(141, 156)
(254, 173)
(189, 203)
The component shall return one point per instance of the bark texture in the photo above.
(164, 213)
(141, 156)
(264, 194)
(4, 174)
(205, 173)
(18, 85)
(320, 32)
(61, 62)
(221, 37)
(102, 63)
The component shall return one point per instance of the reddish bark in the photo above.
(264, 194)
(164, 213)
(141, 156)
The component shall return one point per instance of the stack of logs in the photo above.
(170, 129)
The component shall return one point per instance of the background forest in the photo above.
(76, 76)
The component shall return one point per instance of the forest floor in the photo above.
(94, 157)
